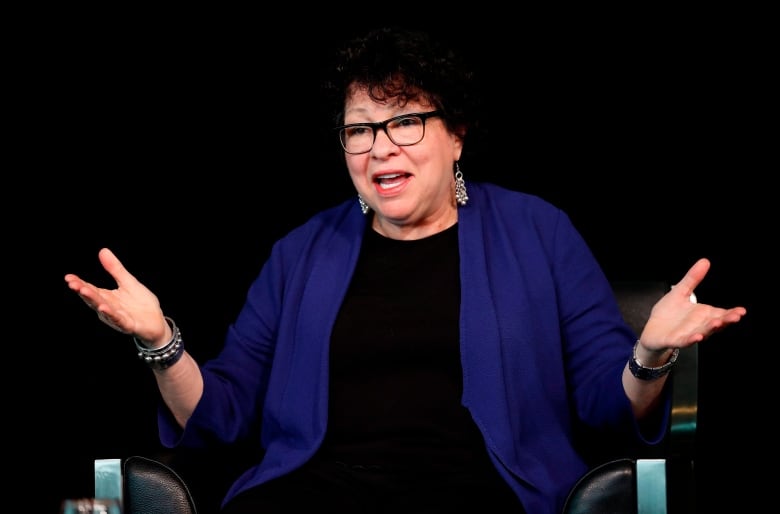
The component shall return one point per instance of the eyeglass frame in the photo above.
(375, 126)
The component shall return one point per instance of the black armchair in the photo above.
(653, 483)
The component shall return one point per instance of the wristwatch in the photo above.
(645, 373)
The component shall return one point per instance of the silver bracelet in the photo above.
(165, 356)
(645, 373)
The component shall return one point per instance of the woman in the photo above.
(430, 347)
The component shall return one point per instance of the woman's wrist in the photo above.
(651, 364)
(652, 357)
(164, 356)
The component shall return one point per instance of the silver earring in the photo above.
(460, 186)
(363, 205)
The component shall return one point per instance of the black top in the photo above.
(396, 378)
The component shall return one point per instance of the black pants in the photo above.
(334, 487)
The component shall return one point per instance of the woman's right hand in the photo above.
(131, 308)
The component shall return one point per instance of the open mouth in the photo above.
(391, 180)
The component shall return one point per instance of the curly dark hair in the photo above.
(404, 64)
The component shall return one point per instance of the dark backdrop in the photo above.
(189, 144)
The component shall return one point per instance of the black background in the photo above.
(189, 141)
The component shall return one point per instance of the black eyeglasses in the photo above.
(403, 130)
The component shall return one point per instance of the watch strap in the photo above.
(645, 373)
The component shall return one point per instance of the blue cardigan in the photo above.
(541, 337)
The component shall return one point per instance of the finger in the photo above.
(73, 281)
(114, 267)
(734, 314)
(86, 291)
(693, 278)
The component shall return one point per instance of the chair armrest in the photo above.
(609, 487)
(154, 488)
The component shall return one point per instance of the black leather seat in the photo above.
(166, 485)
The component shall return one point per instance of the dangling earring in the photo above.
(363, 205)
(460, 186)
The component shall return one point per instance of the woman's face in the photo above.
(410, 188)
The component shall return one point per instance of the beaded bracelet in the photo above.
(165, 356)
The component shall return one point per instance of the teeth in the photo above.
(389, 181)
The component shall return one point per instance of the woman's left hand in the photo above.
(677, 320)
